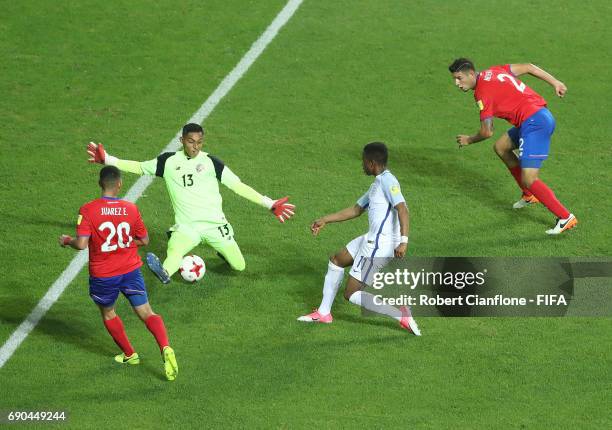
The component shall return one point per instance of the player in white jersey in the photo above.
(386, 238)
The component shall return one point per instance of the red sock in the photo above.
(156, 326)
(516, 172)
(548, 199)
(117, 331)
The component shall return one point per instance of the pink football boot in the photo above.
(408, 322)
(316, 317)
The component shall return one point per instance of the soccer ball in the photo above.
(192, 268)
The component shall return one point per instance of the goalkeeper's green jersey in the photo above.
(193, 185)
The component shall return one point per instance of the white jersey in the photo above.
(380, 201)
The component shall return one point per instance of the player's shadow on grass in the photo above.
(65, 331)
(71, 332)
(97, 343)
(388, 330)
(372, 319)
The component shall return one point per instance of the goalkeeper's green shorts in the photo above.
(219, 236)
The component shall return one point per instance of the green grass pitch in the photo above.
(341, 73)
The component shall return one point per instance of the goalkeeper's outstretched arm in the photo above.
(97, 154)
(281, 208)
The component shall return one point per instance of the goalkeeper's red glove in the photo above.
(96, 153)
(282, 210)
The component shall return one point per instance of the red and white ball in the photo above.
(192, 268)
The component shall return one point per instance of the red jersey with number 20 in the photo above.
(500, 94)
(111, 225)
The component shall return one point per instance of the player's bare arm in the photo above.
(533, 70)
(485, 132)
(404, 220)
(343, 215)
(78, 243)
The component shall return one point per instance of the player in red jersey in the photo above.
(499, 93)
(113, 230)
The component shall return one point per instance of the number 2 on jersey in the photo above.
(122, 231)
(520, 87)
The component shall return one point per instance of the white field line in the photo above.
(134, 193)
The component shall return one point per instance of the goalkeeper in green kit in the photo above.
(192, 178)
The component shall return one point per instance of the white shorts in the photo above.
(369, 258)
